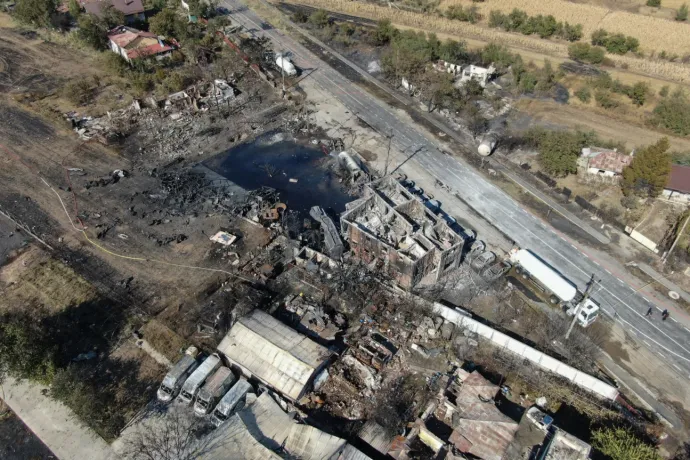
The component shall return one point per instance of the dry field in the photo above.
(655, 34)
(666, 70)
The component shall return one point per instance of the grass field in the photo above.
(668, 70)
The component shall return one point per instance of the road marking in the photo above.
(646, 343)
(658, 308)
(596, 263)
(661, 354)
(677, 367)
(686, 328)
(674, 320)
(607, 271)
(620, 280)
(573, 246)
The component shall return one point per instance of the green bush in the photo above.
(673, 113)
(384, 32)
(319, 19)
(654, 3)
(682, 13)
(469, 14)
(663, 92)
(92, 31)
(614, 43)
(37, 13)
(300, 17)
(605, 100)
(638, 93)
(584, 94)
(586, 53)
(544, 26)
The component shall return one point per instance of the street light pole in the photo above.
(590, 285)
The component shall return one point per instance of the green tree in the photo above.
(497, 19)
(74, 9)
(558, 152)
(638, 93)
(453, 51)
(408, 56)
(168, 24)
(112, 17)
(682, 13)
(673, 113)
(384, 32)
(649, 170)
(92, 31)
(35, 12)
(622, 444)
(499, 55)
(572, 33)
(599, 37)
(319, 19)
(586, 53)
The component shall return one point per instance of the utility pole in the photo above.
(590, 285)
(388, 153)
(680, 233)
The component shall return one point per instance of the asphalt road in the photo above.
(670, 339)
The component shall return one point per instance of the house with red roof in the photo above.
(132, 9)
(133, 44)
(678, 185)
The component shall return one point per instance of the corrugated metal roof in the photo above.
(376, 436)
(273, 352)
(266, 421)
(309, 443)
(233, 440)
(351, 453)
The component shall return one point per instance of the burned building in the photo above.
(395, 230)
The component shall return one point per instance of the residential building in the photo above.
(133, 10)
(133, 44)
(261, 347)
(678, 184)
(603, 163)
(392, 229)
(479, 427)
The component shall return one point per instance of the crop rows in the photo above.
(654, 34)
(664, 69)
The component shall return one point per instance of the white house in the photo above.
(134, 44)
(596, 161)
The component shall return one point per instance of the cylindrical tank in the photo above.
(285, 64)
(349, 162)
(487, 145)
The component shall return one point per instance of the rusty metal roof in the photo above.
(610, 160)
(127, 7)
(679, 179)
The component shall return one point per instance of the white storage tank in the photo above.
(285, 64)
(487, 145)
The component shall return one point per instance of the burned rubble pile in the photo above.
(179, 125)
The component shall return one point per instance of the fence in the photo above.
(577, 377)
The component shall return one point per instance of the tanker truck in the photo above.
(559, 289)
(285, 64)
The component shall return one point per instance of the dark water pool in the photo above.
(272, 161)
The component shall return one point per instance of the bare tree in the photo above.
(173, 435)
